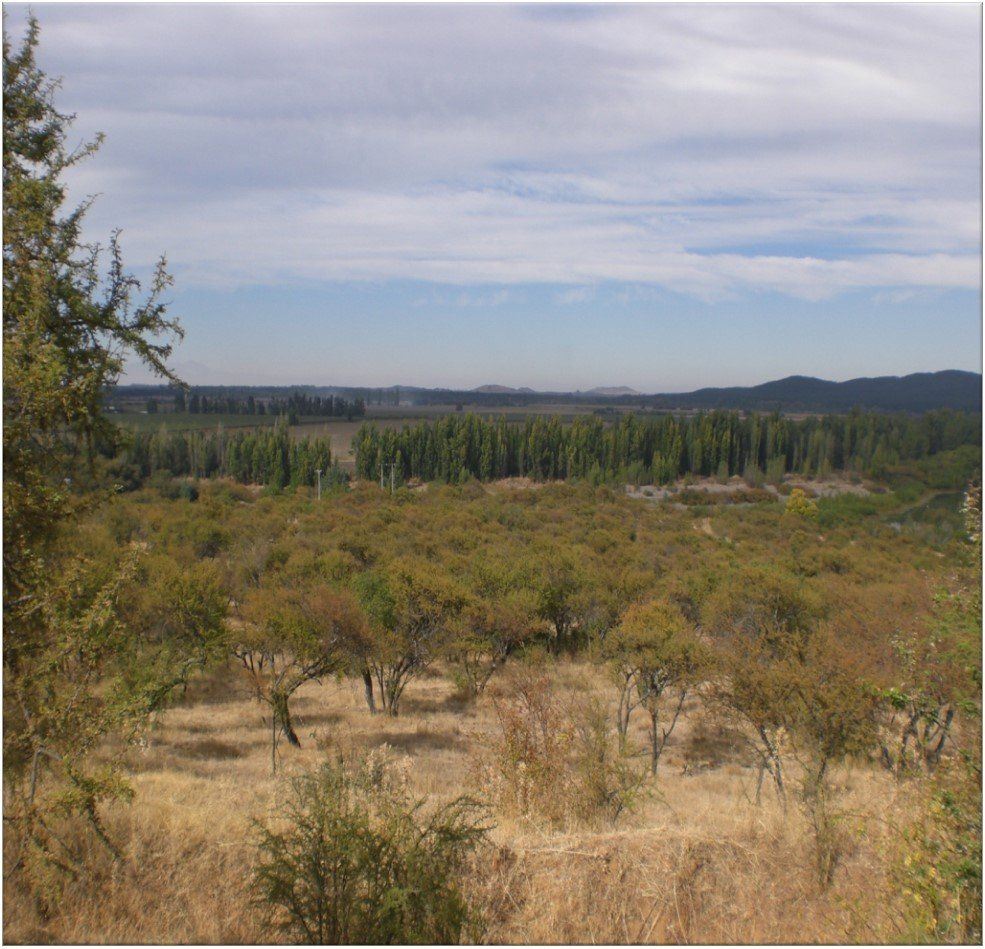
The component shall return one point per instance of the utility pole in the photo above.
(381, 475)
(393, 468)
(318, 472)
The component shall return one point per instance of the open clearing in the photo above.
(699, 862)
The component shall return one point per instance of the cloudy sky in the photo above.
(662, 196)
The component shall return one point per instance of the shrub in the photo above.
(800, 505)
(359, 861)
(936, 871)
(558, 761)
(693, 497)
(209, 540)
(850, 508)
(607, 782)
(226, 491)
(753, 475)
(165, 484)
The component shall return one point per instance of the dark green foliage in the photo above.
(216, 401)
(265, 456)
(850, 508)
(74, 672)
(917, 392)
(358, 861)
(68, 322)
(663, 448)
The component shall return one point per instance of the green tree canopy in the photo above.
(71, 317)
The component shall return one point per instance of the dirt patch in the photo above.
(517, 484)
(704, 525)
(737, 488)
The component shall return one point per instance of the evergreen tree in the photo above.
(69, 322)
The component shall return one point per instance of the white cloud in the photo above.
(712, 150)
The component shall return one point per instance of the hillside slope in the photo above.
(919, 392)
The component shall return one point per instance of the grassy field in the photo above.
(699, 862)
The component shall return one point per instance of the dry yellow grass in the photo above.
(699, 862)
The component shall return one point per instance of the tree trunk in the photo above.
(773, 764)
(391, 698)
(933, 755)
(624, 712)
(910, 731)
(655, 744)
(368, 686)
(288, 728)
(282, 715)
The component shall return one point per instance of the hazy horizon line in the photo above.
(523, 389)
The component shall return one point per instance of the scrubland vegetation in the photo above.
(506, 712)
(638, 720)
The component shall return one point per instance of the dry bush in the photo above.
(556, 759)
(711, 742)
(524, 768)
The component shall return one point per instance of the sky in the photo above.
(660, 196)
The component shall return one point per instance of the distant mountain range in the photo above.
(919, 392)
(609, 392)
(606, 392)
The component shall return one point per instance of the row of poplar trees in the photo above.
(658, 449)
(265, 456)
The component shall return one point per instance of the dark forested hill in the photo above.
(919, 392)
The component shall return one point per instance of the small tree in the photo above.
(559, 584)
(181, 612)
(935, 674)
(761, 620)
(655, 651)
(412, 609)
(292, 636)
(832, 715)
(353, 859)
(487, 632)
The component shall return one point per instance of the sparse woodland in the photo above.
(723, 698)
(507, 712)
